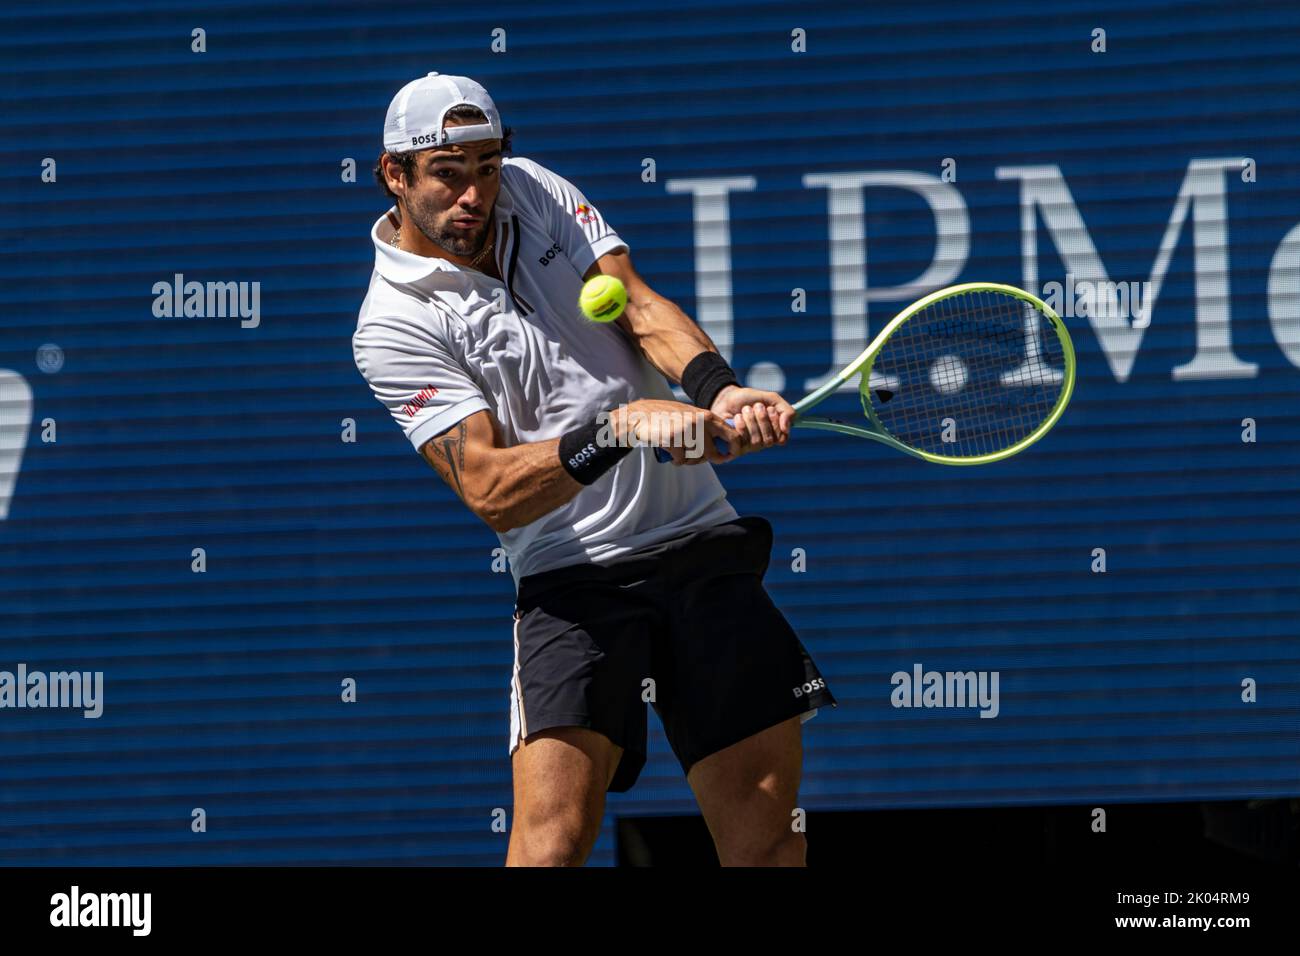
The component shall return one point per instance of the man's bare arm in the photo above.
(511, 487)
(506, 487)
(664, 333)
(670, 339)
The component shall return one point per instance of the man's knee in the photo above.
(764, 847)
(555, 836)
(760, 825)
(561, 775)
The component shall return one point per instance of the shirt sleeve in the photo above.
(413, 372)
(570, 219)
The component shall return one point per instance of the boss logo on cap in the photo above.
(424, 138)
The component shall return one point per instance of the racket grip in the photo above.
(662, 455)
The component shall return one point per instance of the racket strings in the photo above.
(969, 375)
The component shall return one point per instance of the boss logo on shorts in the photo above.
(586, 454)
(551, 253)
(808, 688)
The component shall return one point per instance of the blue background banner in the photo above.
(907, 147)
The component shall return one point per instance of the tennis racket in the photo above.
(967, 375)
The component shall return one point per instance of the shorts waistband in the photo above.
(742, 544)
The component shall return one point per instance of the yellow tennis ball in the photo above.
(602, 299)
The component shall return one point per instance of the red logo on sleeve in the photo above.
(585, 214)
(422, 398)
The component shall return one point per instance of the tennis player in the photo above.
(636, 581)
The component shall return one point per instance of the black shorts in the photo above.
(685, 624)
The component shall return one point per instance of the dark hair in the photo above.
(407, 160)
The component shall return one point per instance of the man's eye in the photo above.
(444, 173)
(491, 170)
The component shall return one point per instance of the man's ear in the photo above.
(398, 187)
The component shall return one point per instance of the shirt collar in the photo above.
(398, 265)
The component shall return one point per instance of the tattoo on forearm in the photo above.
(450, 448)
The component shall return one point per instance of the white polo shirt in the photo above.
(437, 343)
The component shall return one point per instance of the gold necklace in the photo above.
(473, 263)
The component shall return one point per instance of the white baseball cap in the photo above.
(415, 116)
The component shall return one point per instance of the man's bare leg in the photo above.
(560, 779)
(747, 793)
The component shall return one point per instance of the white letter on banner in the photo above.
(850, 291)
(1043, 189)
(1284, 295)
(15, 421)
(712, 213)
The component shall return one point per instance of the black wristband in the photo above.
(585, 457)
(706, 375)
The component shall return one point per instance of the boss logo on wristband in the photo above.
(584, 457)
(586, 454)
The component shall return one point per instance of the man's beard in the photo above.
(449, 239)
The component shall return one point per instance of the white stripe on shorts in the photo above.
(518, 722)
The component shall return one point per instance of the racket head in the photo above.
(968, 375)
